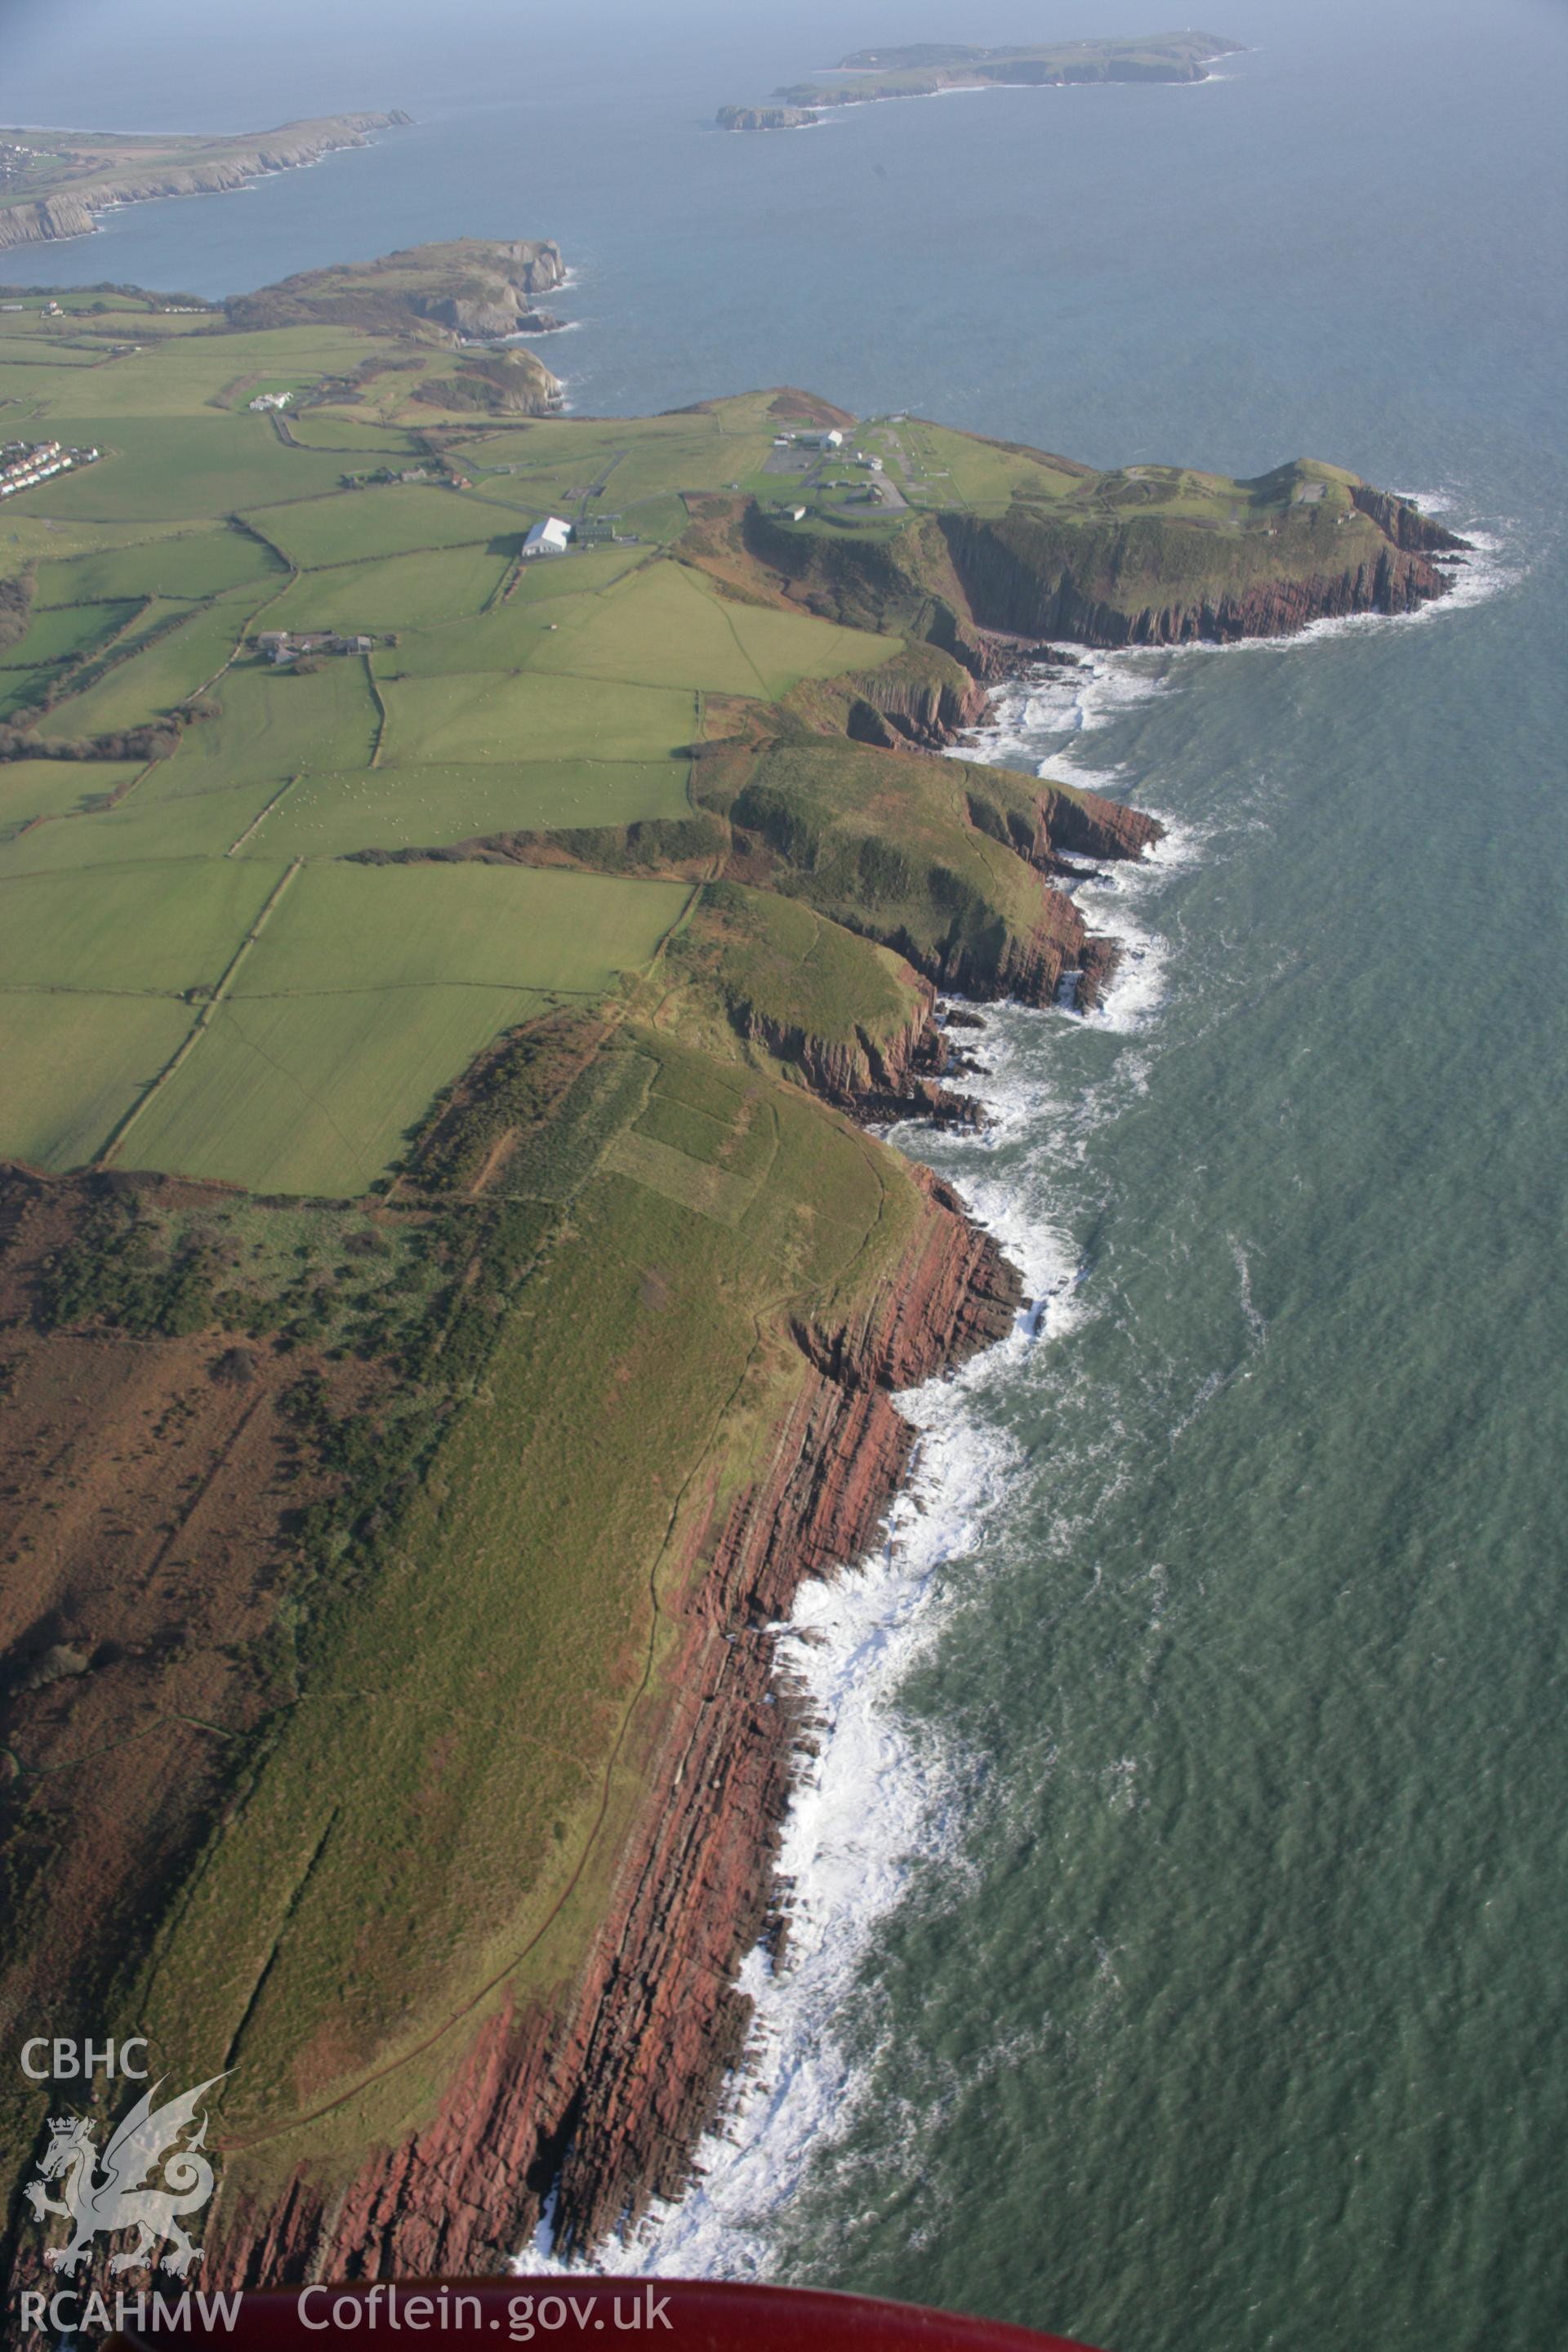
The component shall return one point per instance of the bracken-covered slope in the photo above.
(450, 1292)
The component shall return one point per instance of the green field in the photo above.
(31, 788)
(342, 927)
(665, 622)
(423, 807)
(398, 591)
(274, 723)
(178, 660)
(365, 990)
(150, 824)
(525, 717)
(313, 1095)
(194, 563)
(138, 931)
(155, 469)
(72, 629)
(74, 1065)
(395, 520)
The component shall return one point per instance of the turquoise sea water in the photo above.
(1186, 1969)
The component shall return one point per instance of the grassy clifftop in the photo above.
(993, 536)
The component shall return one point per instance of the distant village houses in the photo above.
(272, 400)
(23, 464)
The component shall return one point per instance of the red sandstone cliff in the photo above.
(602, 2099)
(1038, 593)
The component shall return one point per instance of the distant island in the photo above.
(53, 184)
(928, 67)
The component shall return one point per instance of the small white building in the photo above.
(551, 537)
(828, 439)
(795, 514)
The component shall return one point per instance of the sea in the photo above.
(1179, 1957)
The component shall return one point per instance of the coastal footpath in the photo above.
(452, 1287)
(57, 181)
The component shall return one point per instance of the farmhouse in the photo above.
(829, 439)
(551, 537)
(287, 644)
(272, 400)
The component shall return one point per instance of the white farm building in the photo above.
(550, 537)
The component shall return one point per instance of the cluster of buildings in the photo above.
(24, 464)
(554, 537)
(385, 474)
(272, 400)
(282, 646)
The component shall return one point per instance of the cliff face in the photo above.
(601, 2100)
(37, 223)
(1080, 826)
(500, 299)
(1406, 526)
(873, 1079)
(68, 214)
(925, 712)
(764, 117)
(1006, 591)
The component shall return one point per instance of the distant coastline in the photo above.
(51, 193)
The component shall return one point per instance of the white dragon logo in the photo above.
(103, 2195)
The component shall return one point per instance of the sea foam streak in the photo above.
(875, 1798)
